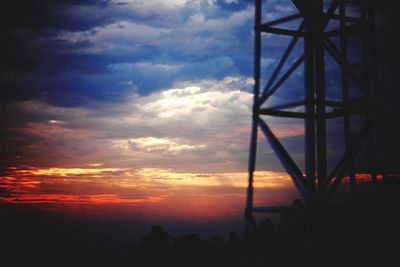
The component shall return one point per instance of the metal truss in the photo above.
(315, 185)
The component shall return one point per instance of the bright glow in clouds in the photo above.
(192, 100)
(265, 179)
(151, 144)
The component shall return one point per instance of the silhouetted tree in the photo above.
(155, 247)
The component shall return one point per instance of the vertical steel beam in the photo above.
(309, 98)
(345, 92)
(250, 224)
(369, 80)
(320, 92)
(373, 72)
(253, 137)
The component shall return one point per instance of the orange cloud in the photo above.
(66, 171)
(79, 199)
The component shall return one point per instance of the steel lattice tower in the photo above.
(314, 184)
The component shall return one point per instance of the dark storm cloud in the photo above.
(51, 13)
(32, 53)
(66, 52)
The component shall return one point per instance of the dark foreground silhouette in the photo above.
(361, 231)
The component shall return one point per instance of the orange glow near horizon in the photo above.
(156, 192)
(362, 177)
(27, 182)
(78, 199)
(66, 171)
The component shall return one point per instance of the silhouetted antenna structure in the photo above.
(325, 29)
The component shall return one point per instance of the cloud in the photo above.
(67, 171)
(124, 32)
(74, 53)
(152, 5)
(202, 105)
(154, 144)
(194, 125)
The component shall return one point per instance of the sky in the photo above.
(144, 106)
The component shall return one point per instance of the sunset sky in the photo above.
(138, 104)
(144, 105)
